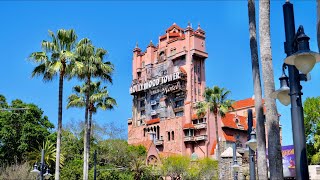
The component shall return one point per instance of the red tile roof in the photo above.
(153, 121)
(229, 121)
(229, 137)
(188, 126)
(213, 147)
(249, 102)
(174, 26)
(174, 34)
(163, 37)
(146, 144)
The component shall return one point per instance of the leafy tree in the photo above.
(55, 58)
(272, 119)
(261, 134)
(21, 131)
(92, 65)
(175, 166)
(217, 102)
(312, 128)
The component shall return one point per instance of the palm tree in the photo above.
(216, 102)
(55, 58)
(261, 134)
(91, 66)
(98, 98)
(49, 154)
(272, 119)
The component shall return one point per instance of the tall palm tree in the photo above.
(98, 99)
(55, 58)
(272, 119)
(92, 66)
(261, 134)
(217, 102)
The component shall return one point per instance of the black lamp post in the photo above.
(249, 152)
(235, 165)
(42, 166)
(299, 58)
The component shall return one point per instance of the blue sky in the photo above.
(117, 26)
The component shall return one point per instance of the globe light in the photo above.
(252, 143)
(35, 170)
(303, 59)
(246, 151)
(47, 175)
(282, 94)
(235, 167)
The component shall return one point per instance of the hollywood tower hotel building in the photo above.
(168, 80)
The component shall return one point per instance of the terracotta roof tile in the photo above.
(153, 121)
(229, 137)
(249, 102)
(188, 126)
(229, 121)
(174, 26)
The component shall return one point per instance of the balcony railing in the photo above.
(188, 138)
(158, 142)
(200, 125)
(200, 138)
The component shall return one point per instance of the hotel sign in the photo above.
(154, 82)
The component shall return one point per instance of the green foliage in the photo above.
(72, 169)
(56, 55)
(181, 167)
(175, 166)
(216, 100)
(312, 128)
(21, 131)
(49, 154)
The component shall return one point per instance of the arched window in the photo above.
(168, 136)
(152, 160)
(172, 135)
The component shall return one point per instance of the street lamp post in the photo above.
(42, 165)
(235, 165)
(252, 167)
(299, 58)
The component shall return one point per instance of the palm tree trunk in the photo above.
(57, 171)
(89, 138)
(217, 136)
(86, 140)
(261, 134)
(272, 119)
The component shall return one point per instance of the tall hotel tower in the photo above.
(168, 79)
